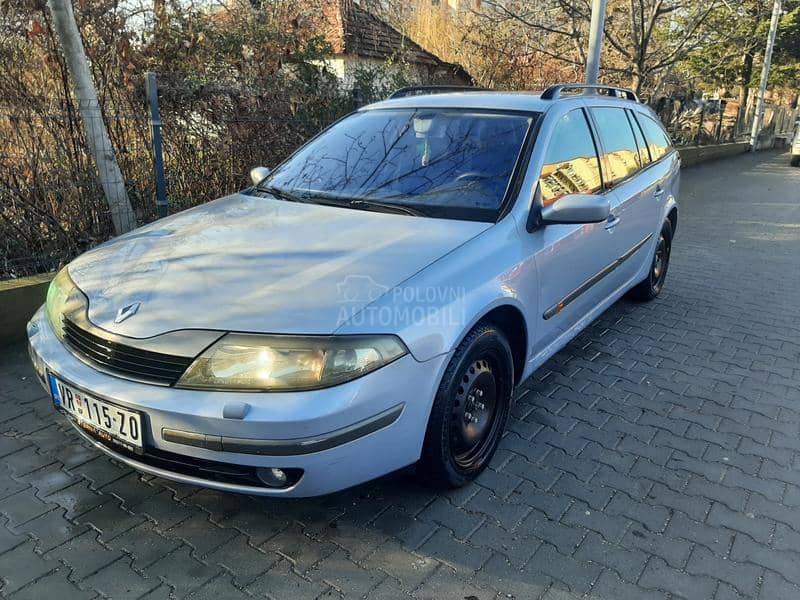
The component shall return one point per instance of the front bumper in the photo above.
(338, 437)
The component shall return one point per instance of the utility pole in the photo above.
(151, 87)
(762, 88)
(95, 129)
(595, 40)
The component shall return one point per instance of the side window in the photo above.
(570, 164)
(620, 157)
(657, 138)
(644, 153)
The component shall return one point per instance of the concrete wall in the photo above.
(692, 155)
(19, 299)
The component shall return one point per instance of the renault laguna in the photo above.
(370, 303)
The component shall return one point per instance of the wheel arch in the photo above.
(510, 320)
(673, 218)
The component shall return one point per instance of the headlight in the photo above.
(62, 296)
(284, 362)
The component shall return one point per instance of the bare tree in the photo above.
(644, 38)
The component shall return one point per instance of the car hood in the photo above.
(247, 263)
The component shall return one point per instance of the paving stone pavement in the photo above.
(657, 456)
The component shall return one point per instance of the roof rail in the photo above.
(419, 90)
(554, 91)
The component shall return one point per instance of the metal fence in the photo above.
(52, 205)
(697, 122)
(51, 200)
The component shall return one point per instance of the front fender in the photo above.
(433, 310)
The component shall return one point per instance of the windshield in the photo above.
(440, 162)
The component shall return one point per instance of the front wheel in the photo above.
(652, 285)
(470, 410)
(795, 162)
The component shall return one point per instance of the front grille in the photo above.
(124, 360)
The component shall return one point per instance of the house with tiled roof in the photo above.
(361, 39)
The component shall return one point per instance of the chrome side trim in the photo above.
(594, 279)
(290, 447)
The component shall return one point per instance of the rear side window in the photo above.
(620, 158)
(644, 153)
(570, 164)
(657, 138)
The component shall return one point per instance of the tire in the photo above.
(470, 410)
(795, 162)
(650, 287)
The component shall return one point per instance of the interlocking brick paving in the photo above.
(654, 457)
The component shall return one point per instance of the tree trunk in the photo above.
(745, 75)
(160, 13)
(97, 138)
(637, 81)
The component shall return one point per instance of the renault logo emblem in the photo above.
(126, 312)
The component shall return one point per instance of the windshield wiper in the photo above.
(400, 208)
(279, 193)
(355, 203)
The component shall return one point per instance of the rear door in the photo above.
(634, 209)
(666, 163)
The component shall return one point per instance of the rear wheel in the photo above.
(652, 285)
(470, 410)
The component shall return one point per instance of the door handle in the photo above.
(612, 222)
(658, 193)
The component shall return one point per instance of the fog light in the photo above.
(272, 477)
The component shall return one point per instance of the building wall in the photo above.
(346, 67)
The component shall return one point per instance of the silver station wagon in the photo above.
(372, 302)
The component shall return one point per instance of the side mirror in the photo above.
(576, 208)
(259, 174)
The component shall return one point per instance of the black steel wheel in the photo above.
(652, 285)
(470, 409)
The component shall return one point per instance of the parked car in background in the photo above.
(795, 160)
(373, 301)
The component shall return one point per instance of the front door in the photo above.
(570, 259)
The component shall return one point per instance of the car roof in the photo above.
(525, 101)
(494, 100)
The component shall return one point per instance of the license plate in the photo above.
(107, 421)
